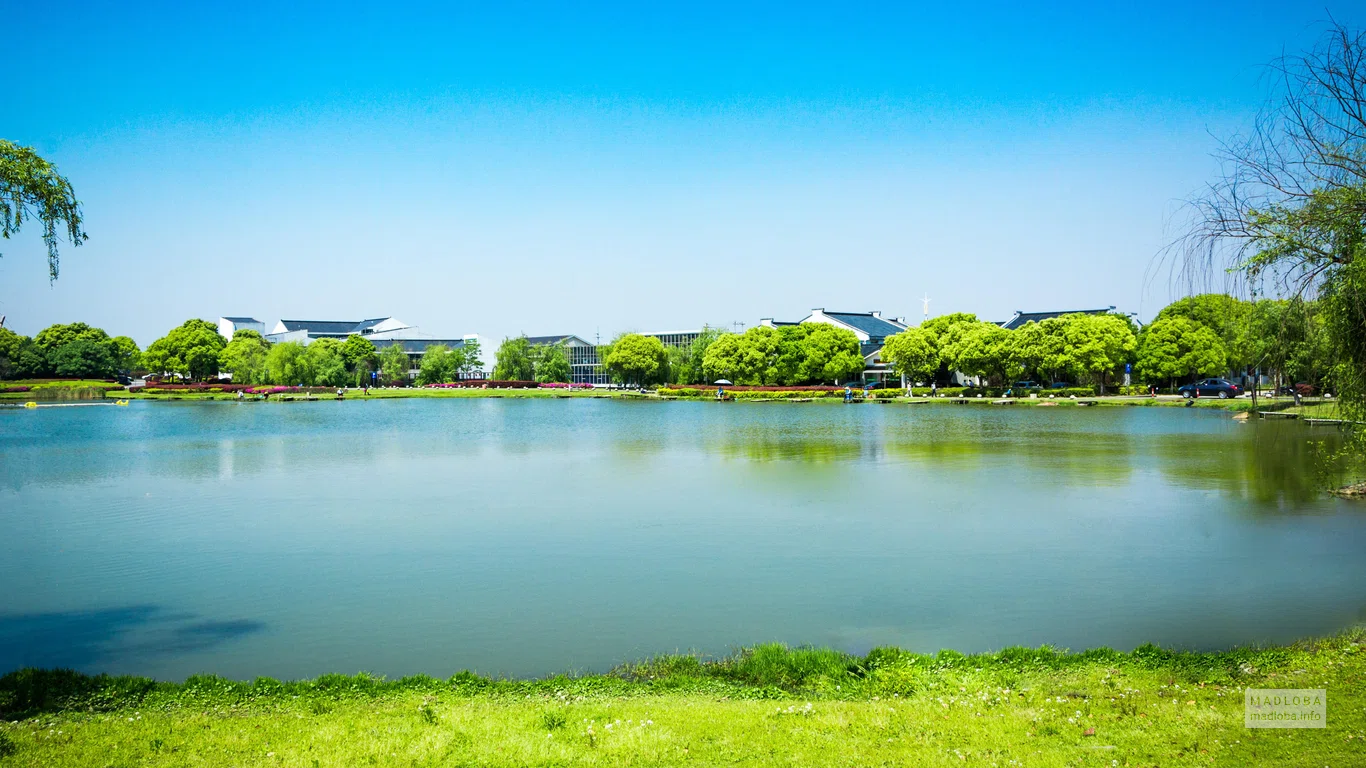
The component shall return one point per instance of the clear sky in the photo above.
(551, 168)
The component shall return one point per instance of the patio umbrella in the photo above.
(721, 381)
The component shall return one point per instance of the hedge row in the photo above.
(199, 387)
(754, 393)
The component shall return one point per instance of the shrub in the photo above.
(1069, 392)
(941, 392)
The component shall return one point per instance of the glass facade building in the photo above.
(585, 363)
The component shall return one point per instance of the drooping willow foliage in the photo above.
(1288, 216)
(31, 188)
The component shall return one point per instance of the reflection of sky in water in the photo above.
(531, 536)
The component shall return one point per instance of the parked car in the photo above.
(1059, 385)
(1025, 385)
(1303, 390)
(1220, 388)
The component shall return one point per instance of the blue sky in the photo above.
(509, 168)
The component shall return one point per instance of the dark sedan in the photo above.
(1219, 388)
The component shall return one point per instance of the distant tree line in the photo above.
(195, 351)
(1203, 335)
(1198, 336)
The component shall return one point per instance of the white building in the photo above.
(227, 326)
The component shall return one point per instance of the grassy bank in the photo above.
(764, 706)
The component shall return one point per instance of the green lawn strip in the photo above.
(765, 706)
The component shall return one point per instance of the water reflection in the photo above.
(527, 537)
(1276, 465)
(82, 639)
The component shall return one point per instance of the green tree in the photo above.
(789, 363)
(1097, 345)
(1289, 211)
(831, 354)
(986, 350)
(911, 354)
(760, 348)
(360, 358)
(945, 329)
(394, 365)
(437, 366)
(471, 359)
(30, 187)
(85, 359)
(1225, 315)
(723, 359)
(191, 349)
(327, 363)
(54, 337)
(11, 345)
(245, 357)
(685, 363)
(552, 364)
(515, 360)
(20, 357)
(287, 364)
(127, 355)
(637, 359)
(1040, 349)
(1178, 348)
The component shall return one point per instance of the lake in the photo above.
(524, 537)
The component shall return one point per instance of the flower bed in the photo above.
(10, 390)
(204, 386)
(484, 384)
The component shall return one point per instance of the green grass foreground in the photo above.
(768, 705)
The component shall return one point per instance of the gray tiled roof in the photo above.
(417, 346)
(562, 338)
(1021, 318)
(321, 327)
(241, 319)
(331, 327)
(875, 327)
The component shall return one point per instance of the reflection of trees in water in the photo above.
(757, 443)
(1270, 463)
(1057, 455)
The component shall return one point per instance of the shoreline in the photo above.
(763, 705)
(1238, 405)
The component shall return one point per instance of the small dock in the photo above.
(1277, 415)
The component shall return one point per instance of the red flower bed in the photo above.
(484, 384)
(563, 385)
(751, 388)
(15, 389)
(203, 386)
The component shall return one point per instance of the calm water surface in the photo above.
(524, 537)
